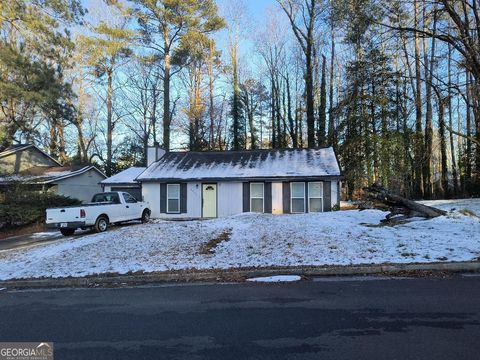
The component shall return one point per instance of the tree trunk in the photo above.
(53, 146)
(468, 105)
(210, 89)
(280, 134)
(331, 118)
(166, 92)
(399, 204)
(309, 95)
(251, 124)
(419, 148)
(236, 93)
(62, 155)
(108, 169)
(427, 168)
(443, 147)
(450, 123)
(274, 133)
(291, 124)
(322, 110)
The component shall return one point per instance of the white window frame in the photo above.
(263, 197)
(316, 197)
(173, 198)
(291, 197)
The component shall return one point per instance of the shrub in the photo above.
(21, 207)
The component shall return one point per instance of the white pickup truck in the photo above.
(106, 208)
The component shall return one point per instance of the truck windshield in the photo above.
(107, 197)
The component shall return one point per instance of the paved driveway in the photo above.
(47, 236)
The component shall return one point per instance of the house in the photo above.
(22, 157)
(28, 165)
(125, 181)
(224, 183)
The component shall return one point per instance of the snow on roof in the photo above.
(47, 175)
(126, 176)
(283, 163)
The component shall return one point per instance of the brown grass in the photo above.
(209, 247)
(467, 212)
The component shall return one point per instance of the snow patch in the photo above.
(41, 235)
(276, 278)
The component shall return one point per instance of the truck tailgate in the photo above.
(61, 215)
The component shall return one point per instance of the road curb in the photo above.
(239, 274)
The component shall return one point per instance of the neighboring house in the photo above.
(30, 166)
(224, 183)
(20, 158)
(125, 181)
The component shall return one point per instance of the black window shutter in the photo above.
(246, 197)
(183, 198)
(327, 196)
(268, 197)
(306, 198)
(163, 198)
(286, 198)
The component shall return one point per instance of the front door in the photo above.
(209, 200)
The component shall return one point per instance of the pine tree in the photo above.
(109, 45)
(33, 46)
(163, 24)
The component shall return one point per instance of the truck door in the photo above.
(132, 207)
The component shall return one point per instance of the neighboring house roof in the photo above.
(20, 147)
(49, 175)
(252, 164)
(126, 176)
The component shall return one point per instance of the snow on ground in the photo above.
(40, 235)
(457, 204)
(255, 240)
(276, 278)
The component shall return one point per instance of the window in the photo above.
(129, 199)
(297, 195)
(315, 196)
(111, 198)
(173, 198)
(256, 197)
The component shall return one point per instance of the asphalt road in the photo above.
(376, 319)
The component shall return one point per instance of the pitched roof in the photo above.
(47, 175)
(229, 165)
(126, 176)
(20, 147)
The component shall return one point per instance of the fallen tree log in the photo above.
(381, 198)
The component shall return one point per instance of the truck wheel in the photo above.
(67, 232)
(101, 224)
(145, 216)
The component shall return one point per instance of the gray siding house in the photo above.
(28, 165)
(224, 183)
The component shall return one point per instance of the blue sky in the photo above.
(255, 18)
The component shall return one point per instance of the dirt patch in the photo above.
(209, 247)
(22, 230)
(468, 212)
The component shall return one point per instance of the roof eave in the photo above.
(245, 179)
(75, 173)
